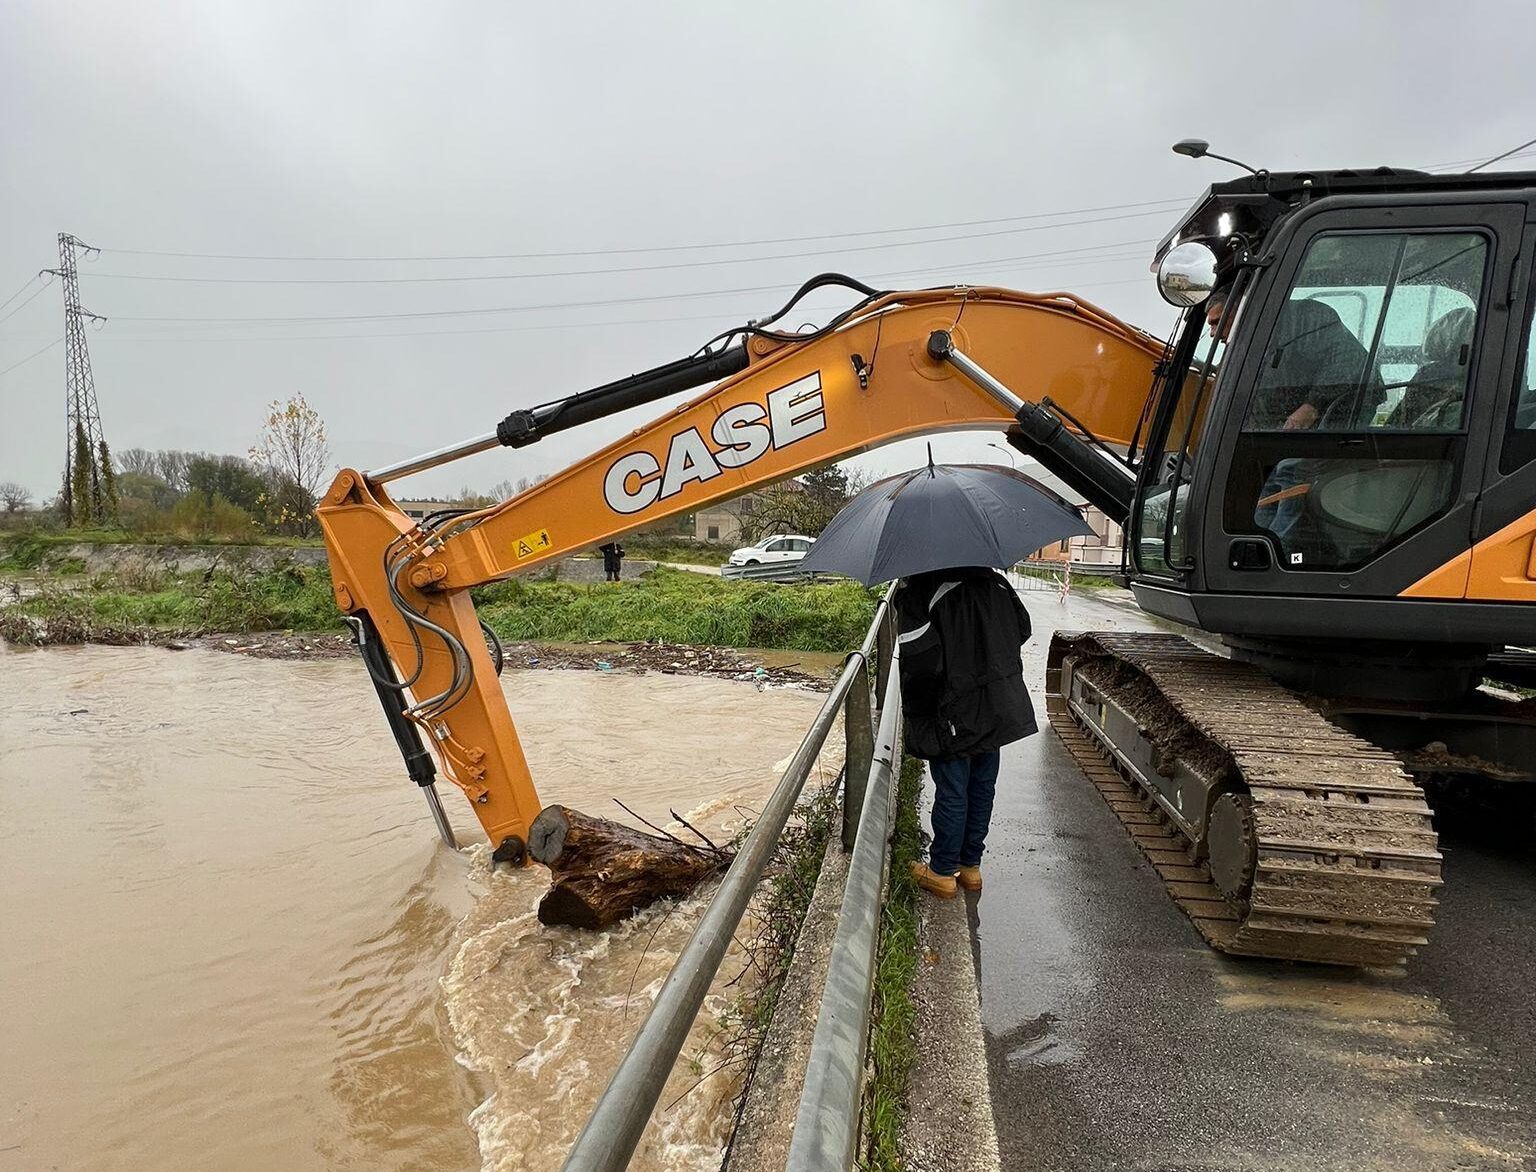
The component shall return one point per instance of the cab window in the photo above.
(1376, 335)
(1353, 433)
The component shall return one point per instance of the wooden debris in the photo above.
(603, 872)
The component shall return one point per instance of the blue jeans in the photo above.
(962, 810)
(1281, 517)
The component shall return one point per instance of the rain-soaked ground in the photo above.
(231, 940)
(1118, 1040)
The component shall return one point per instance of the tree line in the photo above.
(270, 490)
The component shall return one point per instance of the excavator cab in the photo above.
(1347, 414)
(1341, 441)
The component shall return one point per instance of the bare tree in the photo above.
(171, 467)
(294, 452)
(14, 497)
(468, 498)
(139, 462)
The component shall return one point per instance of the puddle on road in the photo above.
(231, 941)
(1440, 1097)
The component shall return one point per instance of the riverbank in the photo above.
(291, 608)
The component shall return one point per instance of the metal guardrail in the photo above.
(827, 1123)
(617, 1122)
(770, 572)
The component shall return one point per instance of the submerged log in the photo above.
(604, 872)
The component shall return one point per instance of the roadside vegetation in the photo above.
(893, 1044)
(778, 914)
(674, 606)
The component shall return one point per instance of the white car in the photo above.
(789, 547)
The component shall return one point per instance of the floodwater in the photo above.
(231, 940)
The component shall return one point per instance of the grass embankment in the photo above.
(674, 606)
(295, 598)
(28, 549)
(893, 1042)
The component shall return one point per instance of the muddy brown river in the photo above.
(232, 941)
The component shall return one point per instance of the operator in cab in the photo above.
(1314, 361)
(1313, 364)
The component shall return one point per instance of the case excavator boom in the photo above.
(896, 365)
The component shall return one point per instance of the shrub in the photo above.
(201, 517)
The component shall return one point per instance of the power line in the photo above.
(658, 248)
(713, 317)
(626, 269)
(26, 302)
(19, 292)
(1518, 153)
(1505, 155)
(305, 319)
(30, 357)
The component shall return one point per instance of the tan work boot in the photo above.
(969, 878)
(932, 882)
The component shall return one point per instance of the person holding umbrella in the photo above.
(613, 560)
(963, 698)
(938, 530)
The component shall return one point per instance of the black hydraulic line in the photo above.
(1100, 477)
(530, 425)
(418, 761)
(1082, 430)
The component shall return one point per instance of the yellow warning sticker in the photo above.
(532, 543)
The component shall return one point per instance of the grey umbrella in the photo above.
(939, 517)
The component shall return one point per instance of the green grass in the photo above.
(673, 549)
(893, 1042)
(681, 607)
(26, 549)
(293, 598)
(672, 605)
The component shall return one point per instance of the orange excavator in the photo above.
(1331, 466)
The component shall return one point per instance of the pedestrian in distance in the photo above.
(613, 560)
(963, 698)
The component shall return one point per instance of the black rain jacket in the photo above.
(962, 681)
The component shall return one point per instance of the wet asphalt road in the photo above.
(1118, 1040)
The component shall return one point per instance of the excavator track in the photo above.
(1332, 840)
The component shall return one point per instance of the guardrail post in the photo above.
(885, 644)
(859, 751)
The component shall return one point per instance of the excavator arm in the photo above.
(897, 365)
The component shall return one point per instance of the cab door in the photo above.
(1503, 556)
(1352, 451)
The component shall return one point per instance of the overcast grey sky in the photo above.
(379, 128)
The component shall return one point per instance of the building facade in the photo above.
(1103, 551)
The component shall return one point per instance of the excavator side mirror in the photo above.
(1187, 274)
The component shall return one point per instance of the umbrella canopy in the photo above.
(939, 517)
